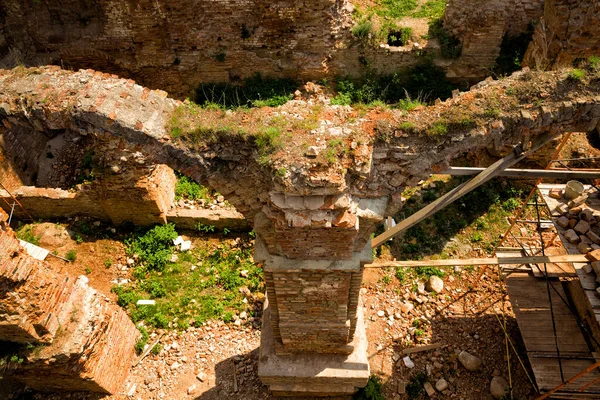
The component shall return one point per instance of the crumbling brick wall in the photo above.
(88, 343)
(480, 26)
(568, 30)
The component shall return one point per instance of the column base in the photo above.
(313, 374)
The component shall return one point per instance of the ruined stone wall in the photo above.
(315, 219)
(480, 26)
(174, 45)
(142, 201)
(88, 342)
(569, 30)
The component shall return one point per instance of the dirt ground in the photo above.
(199, 363)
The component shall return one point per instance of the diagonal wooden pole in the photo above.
(524, 206)
(455, 194)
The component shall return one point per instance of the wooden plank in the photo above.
(526, 173)
(34, 251)
(529, 298)
(482, 261)
(460, 191)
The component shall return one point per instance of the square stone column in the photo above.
(313, 340)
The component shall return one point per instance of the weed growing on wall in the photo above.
(186, 188)
(450, 46)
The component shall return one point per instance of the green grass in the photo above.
(153, 248)
(184, 296)
(450, 46)
(188, 189)
(26, 233)
(594, 62)
(438, 128)
(576, 75)
(255, 91)
(399, 36)
(407, 89)
(71, 255)
(373, 390)
(396, 8)
(431, 9)
(363, 30)
(480, 215)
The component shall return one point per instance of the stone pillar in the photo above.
(313, 249)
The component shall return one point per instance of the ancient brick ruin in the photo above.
(313, 223)
(77, 339)
(166, 45)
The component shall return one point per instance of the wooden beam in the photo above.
(526, 173)
(461, 190)
(567, 258)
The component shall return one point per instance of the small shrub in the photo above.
(187, 188)
(576, 75)
(26, 233)
(450, 46)
(427, 272)
(401, 275)
(399, 37)
(594, 62)
(141, 343)
(205, 228)
(492, 112)
(78, 239)
(71, 255)
(373, 390)
(438, 128)
(476, 237)
(154, 248)
(363, 30)
(108, 263)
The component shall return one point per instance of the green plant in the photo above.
(143, 340)
(450, 46)
(154, 248)
(594, 62)
(407, 126)
(78, 239)
(268, 141)
(419, 332)
(476, 237)
(26, 233)
(108, 263)
(399, 37)
(255, 91)
(200, 227)
(431, 9)
(71, 255)
(438, 128)
(427, 272)
(401, 275)
(88, 270)
(363, 30)
(492, 112)
(156, 349)
(576, 75)
(415, 389)
(396, 8)
(226, 231)
(189, 189)
(373, 390)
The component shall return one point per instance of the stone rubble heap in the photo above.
(76, 340)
